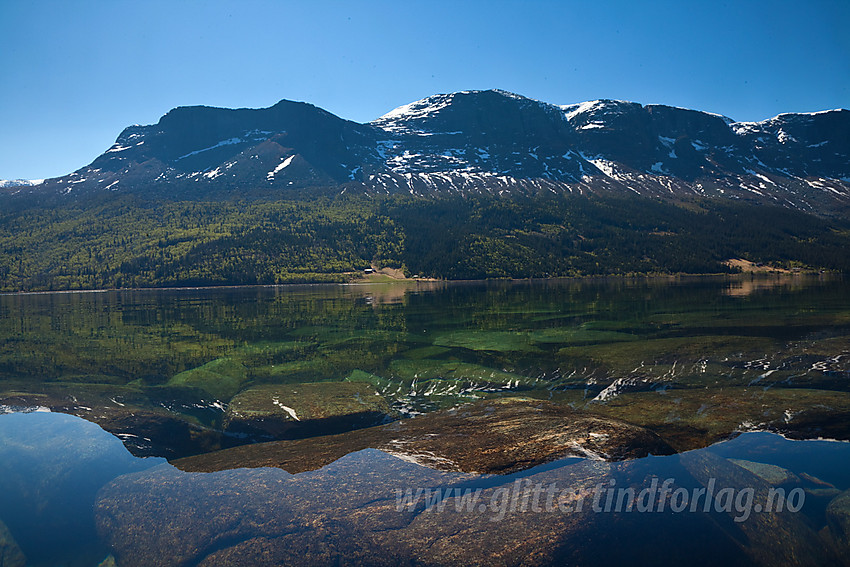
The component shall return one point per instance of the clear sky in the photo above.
(74, 73)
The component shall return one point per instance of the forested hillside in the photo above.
(130, 242)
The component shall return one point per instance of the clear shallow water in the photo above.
(693, 361)
(698, 358)
(51, 468)
(71, 494)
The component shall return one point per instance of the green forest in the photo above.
(128, 241)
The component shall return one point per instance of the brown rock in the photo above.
(698, 417)
(499, 436)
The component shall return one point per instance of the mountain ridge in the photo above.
(480, 142)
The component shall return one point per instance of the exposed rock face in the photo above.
(291, 411)
(495, 436)
(506, 435)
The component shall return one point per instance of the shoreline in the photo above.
(746, 275)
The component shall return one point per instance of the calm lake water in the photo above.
(99, 391)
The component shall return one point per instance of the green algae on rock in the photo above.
(285, 411)
(221, 377)
(477, 339)
(381, 384)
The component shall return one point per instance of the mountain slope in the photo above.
(479, 142)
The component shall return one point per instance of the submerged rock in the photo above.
(419, 371)
(221, 377)
(500, 436)
(594, 532)
(261, 516)
(305, 410)
(693, 418)
(146, 429)
(838, 519)
(368, 508)
(10, 554)
(779, 536)
(771, 474)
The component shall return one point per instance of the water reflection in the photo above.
(72, 495)
(748, 285)
(51, 468)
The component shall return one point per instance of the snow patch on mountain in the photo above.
(743, 128)
(228, 142)
(283, 165)
(394, 120)
(592, 107)
(573, 110)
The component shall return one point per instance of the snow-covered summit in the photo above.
(444, 113)
(593, 107)
(395, 120)
(20, 182)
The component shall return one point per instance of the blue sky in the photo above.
(73, 74)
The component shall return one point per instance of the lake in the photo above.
(657, 420)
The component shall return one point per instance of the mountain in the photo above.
(6, 183)
(480, 142)
(468, 185)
